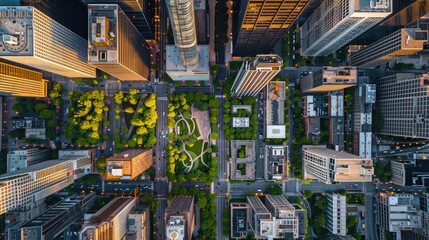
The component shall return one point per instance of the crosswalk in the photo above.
(162, 98)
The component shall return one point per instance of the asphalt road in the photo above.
(259, 144)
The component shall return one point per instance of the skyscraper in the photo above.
(329, 166)
(404, 42)
(141, 13)
(261, 24)
(17, 81)
(19, 190)
(329, 79)
(403, 101)
(182, 21)
(32, 38)
(254, 76)
(110, 222)
(337, 22)
(115, 45)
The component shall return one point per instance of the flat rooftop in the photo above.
(180, 204)
(108, 212)
(373, 5)
(16, 31)
(173, 64)
(103, 20)
(127, 155)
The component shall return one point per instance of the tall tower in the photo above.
(254, 76)
(115, 45)
(182, 19)
(29, 37)
(337, 22)
(138, 11)
(261, 24)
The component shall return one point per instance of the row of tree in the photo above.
(85, 117)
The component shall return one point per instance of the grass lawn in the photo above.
(242, 168)
(196, 148)
(196, 131)
(355, 199)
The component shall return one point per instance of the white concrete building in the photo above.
(330, 166)
(337, 22)
(22, 158)
(336, 214)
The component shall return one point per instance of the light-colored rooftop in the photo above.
(178, 72)
(276, 131)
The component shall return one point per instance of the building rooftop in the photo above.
(108, 212)
(103, 33)
(16, 30)
(180, 204)
(367, 6)
(257, 205)
(36, 167)
(276, 91)
(126, 155)
(276, 131)
(178, 72)
(240, 122)
(276, 162)
(271, 61)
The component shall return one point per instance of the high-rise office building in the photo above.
(141, 13)
(330, 166)
(403, 101)
(396, 213)
(21, 82)
(255, 75)
(55, 220)
(259, 216)
(336, 214)
(21, 189)
(60, 11)
(260, 24)
(110, 222)
(182, 19)
(337, 22)
(128, 164)
(404, 42)
(138, 224)
(329, 79)
(31, 38)
(179, 217)
(115, 45)
(22, 158)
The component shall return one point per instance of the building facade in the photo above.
(260, 25)
(22, 189)
(412, 172)
(330, 166)
(110, 222)
(115, 44)
(141, 14)
(404, 42)
(337, 22)
(182, 19)
(138, 224)
(22, 158)
(403, 101)
(329, 79)
(128, 164)
(336, 214)
(56, 219)
(396, 213)
(254, 76)
(180, 217)
(21, 82)
(31, 38)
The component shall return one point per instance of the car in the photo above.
(392, 151)
(163, 113)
